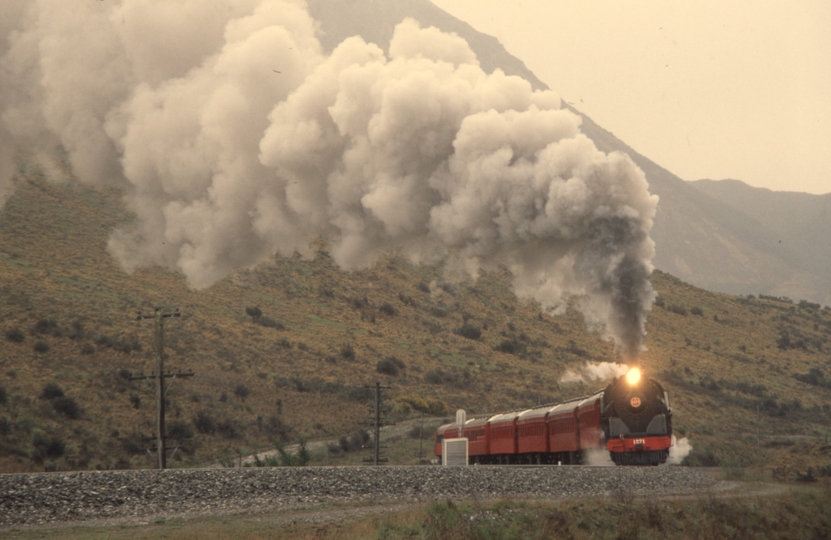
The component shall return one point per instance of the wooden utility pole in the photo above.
(159, 316)
(377, 423)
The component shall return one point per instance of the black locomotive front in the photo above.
(637, 420)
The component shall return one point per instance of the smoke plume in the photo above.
(234, 137)
(592, 372)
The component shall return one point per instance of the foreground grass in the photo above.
(799, 513)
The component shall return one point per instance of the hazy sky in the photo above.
(707, 89)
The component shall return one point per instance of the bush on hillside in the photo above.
(180, 431)
(675, 308)
(228, 430)
(242, 392)
(51, 391)
(268, 322)
(814, 377)
(347, 352)
(254, 312)
(470, 331)
(48, 326)
(390, 366)
(15, 335)
(204, 423)
(67, 407)
(47, 448)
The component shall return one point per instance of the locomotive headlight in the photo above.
(633, 376)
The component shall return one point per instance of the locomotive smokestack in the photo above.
(250, 141)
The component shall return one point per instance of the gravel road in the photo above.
(44, 498)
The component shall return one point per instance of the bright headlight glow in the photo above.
(633, 376)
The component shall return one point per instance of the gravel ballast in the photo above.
(30, 499)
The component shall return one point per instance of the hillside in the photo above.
(799, 225)
(68, 317)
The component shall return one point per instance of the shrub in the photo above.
(67, 407)
(77, 330)
(286, 459)
(204, 423)
(680, 310)
(284, 343)
(470, 331)
(508, 346)
(180, 431)
(389, 366)
(242, 392)
(416, 402)
(51, 448)
(254, 312)
(438, 311)
(268, 322)
(697, 311)
(433, 377)
(15, 335)
(3, 396)
(51, 391)
(135, 401)
(387, 309)
(423, 287)
(348, 352)
(47, 326)
(134, 444)
(814, 377)
(87, 348)
(354, 441)
(5, 426)
(277, 428)
(437, 407)
(701, 458)
(228, 430)
(808, 305)
(41, 347)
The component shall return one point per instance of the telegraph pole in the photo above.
(377, 423)
(159, 316)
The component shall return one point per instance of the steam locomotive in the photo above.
(631, 418)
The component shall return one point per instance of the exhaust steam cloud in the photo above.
(234, 137)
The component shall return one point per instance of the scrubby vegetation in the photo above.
(286, 351)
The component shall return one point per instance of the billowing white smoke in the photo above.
(236, 138)
(592, 372)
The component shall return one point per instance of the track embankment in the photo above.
(37, 499)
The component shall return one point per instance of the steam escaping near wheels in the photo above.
(234, 137)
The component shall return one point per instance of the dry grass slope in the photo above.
(68, 317)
